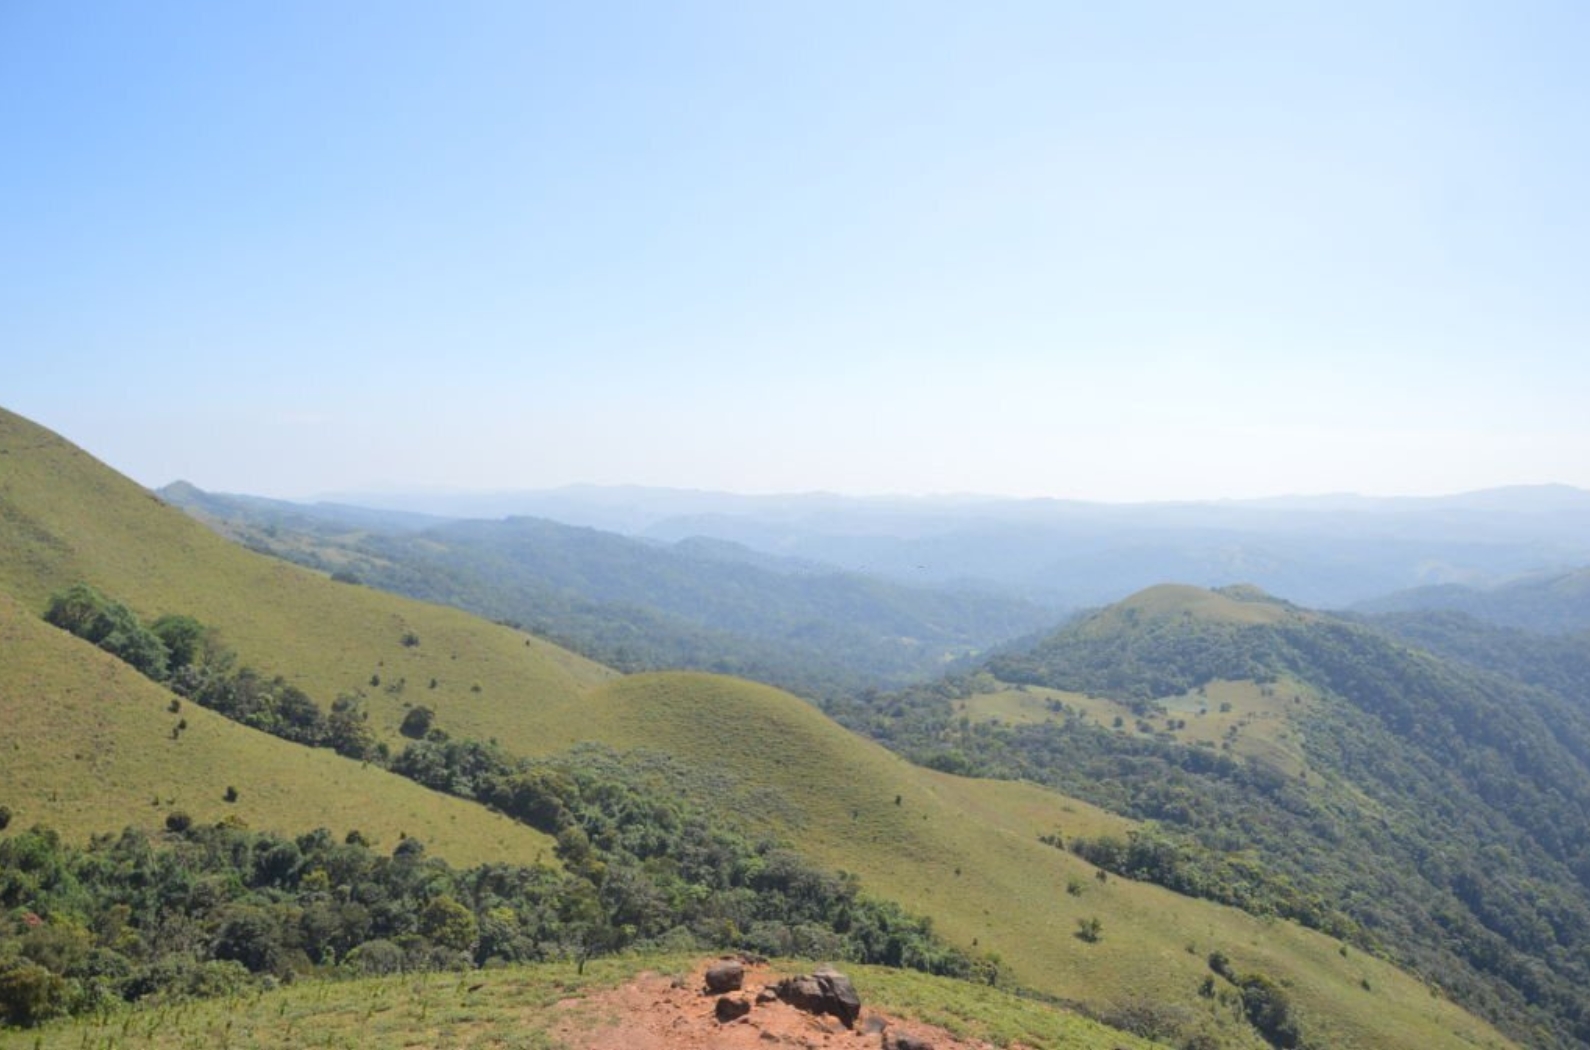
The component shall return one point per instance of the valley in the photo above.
(1014, 873)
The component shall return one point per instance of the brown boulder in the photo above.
(724, 977)
(839, 995)
(731, 1008)
(824, 992)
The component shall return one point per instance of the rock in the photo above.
(765, 996)
(803, 993)
(873, 1025)
(840, 995)
(725, 977)
(906, 1042)
(824, 992)
(731, 1008)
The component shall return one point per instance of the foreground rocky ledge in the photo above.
(740, 1003)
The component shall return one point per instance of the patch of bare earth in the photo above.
(655, 1012)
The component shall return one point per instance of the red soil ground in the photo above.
(653, 1012)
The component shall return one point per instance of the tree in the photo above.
(184, 637)
(110, 625)
(250, 936)
(1269, 1009)
(30, 994)
(449, 924)
(417, 722)
(346, 730)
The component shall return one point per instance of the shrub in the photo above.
(5, 817)
(1269, 1009)
(1153, 1020)
(417, 722)
(30, 994)
(377, 957)
(178, 821)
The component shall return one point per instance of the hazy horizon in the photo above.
(1124, 254)
(397, 491)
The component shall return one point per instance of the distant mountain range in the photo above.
(1324, 551)
(641, 604)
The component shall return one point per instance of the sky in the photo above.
(1134, 251)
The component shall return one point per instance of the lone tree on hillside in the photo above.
(417, 722)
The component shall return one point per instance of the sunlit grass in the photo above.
(91, 749)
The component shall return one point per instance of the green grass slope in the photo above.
(966, 852)
(65, 518)
(89, 747)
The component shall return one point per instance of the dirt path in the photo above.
(654, 1012)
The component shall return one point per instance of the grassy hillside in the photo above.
(65, 518)
(1346, 787)
(90, 747)
(966, 852)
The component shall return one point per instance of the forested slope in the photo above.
(1438, 813)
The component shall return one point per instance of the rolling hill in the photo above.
(1550, 602)
(695, 604)
(1325, 551)
(1300, 764)
(969, 853)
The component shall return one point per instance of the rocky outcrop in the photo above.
(826, 991)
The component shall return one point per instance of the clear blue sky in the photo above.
(1110, 251)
